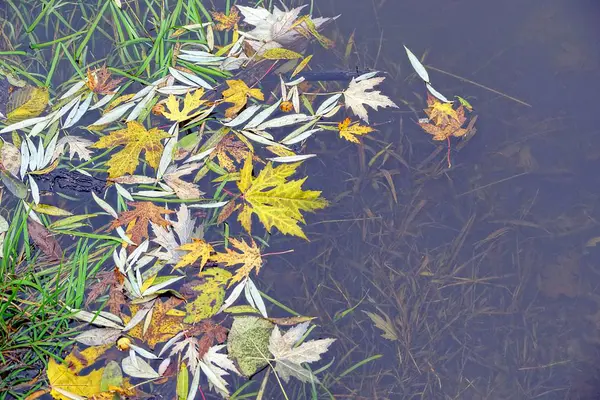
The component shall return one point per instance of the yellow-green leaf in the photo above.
(28, 102)
(279, 53)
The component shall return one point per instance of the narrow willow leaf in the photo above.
(437, 94)
(104, 205)
(114, 114)
(71, 116)
(328, 104)
(300, 67)
(40, 126)
(83, 108)
(233, 296)
(153, 289)
(104, 100)
(123, 192)
(65, 109)
(92, 318)
(262, 116)
(258, 300)
(98, 336)
(24, 159)
(50, 210)
(366, 76)
(23, 124)
(417, 66)
(279, 53)
(35, 190)
(189, 79)
(49, 152)
(175, 89)
(167, 154)
(292, 159)
(74, 89)
(143, 352)
(195, 383)
(209, 205)
(153, 193)
(135, 113)
(284, 121)
(13, 185)
(259, 139)
(243, 116)
(199, 156)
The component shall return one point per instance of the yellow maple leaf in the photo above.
(238, 94)
(277, 202)
(351, 131)
(198, 249)
(453, 127)
(65, 376)
(163, 326)
(440, 113)
(249, 256)
(135, 138)
(226, 22)
(190, 103)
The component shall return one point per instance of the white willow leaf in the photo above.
(98, 336)
(153, 289)
(24, 159)
(437, 94)
(258, 300)
(35, 190)
(104, 100)
(65, 109)
(285, 121)
(291, 159)
(167, 154)
(81, 110)
(243, 116)
(199, 156)
(327, 104)
(114, 114)
(209, 205)
(123, 192)
(175, 89)
(74, 89)
(104, 205)
(135, 113)
(189, 79)
(262, 116)
(23, 124)
(417, 66)
(233, 296)
(260, 139)
(67, 123)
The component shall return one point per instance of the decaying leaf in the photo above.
(77, 146)
(229, 146)
(211, 334)
(99, 81)
(226, 22)
(191, 102)
(361, 93)
(350, 131)
(166, 322)
(66, 377)
(198, 249)
(143, 213)
(277, 202)
(249, 256)
(385, 324)
(183, 189)
(238, 94)
(248, 343)
(289, 357)
(44, 240)
(209, 292)
(136, 139)
(27, 102)
(165, 236)
(449, 123)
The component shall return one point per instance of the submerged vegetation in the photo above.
(149, 183)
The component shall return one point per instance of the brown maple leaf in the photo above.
(453, 127)
(211, 333)
(440, 113)
(143, 213)
(113, 280)
(99, 81)
(236, 149)
(226, 22)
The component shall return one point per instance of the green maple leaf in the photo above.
(276, 201)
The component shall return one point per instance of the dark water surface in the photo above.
(487, 271)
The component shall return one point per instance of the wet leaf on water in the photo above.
(191, 102)
(271, 183)
(143, 213)
(135, 139)
(361, 93)
(100, 81)
(238, 94)
(209, 292)
(289, 356)
(385, 324)
(15, 186)
(138, 368)
(111, 377)
(247, 254)
(163, 326)
(279, 53)
(183, 377)
(98, 336)
(248, 343)
(350, 131)
(44, 240)
(28, 102)
(10, 158)
(226, 22)
(197, 249)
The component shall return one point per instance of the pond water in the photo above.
(482, 276)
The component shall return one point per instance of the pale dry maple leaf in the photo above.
(361, 93)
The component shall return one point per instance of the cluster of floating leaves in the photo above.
(163, 337)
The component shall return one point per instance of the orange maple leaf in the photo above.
(226, 22)
(139, 217)
(249, 257)
(99, 81)
(453, 127)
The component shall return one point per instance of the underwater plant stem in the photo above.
(448, 153)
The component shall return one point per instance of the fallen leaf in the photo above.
(248, 343)
(209, 292)
(198, 249)
(136, 139)
(249, 256)
(350, 131)
(384, 324)
(99, 81)
(162, 327)
(229, 146)
(362, 93)
(238, 94)
(10, 158)
(27, 102)
(165, 236)
(277, 202)
(44, 240)
(211, 333)
(190, 103)
(226, 22)
(440, 113)
(183, 189)
(77, 146)
(289, 357)
(452, 126)
(215, 365)
(143, 213)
